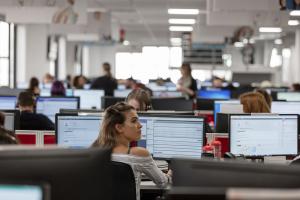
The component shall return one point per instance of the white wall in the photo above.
(36, 51)
(70, 58)
(99, 55)
(21, 54)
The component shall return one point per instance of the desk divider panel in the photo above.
(35, 137)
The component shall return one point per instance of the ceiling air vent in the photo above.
(206, 54)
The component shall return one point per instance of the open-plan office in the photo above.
(149, 99)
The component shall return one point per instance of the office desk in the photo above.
(150, 191)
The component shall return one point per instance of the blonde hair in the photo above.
(142, 97)
(113, 115)
(254, 102)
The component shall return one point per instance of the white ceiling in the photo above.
(146, 21)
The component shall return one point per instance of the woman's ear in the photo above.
(119, 128)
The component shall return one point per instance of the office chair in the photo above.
(123, 182)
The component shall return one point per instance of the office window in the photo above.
(151, 63)
(4, 54)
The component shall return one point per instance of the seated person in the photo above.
(120, 126)
(58, 89)
(34, 86)
(79, 82)
(254, 102)
(139, 99)
(28, 119)
(6, 136)
(267, 97)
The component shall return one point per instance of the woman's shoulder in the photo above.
(139, 151)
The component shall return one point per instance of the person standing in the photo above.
(187, 84)
(106, 82)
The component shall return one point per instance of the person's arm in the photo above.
(149, 167)
(190, 91)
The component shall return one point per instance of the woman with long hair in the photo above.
(120, 126)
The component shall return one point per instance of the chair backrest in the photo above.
(123, 181)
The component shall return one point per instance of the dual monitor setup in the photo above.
(169, 135)
(165, 136)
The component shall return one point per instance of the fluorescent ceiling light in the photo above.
(181, 28)
(295, 13)
(182, 21)
(175, 11)
(293, 22)
(270, 30)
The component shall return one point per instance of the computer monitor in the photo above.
(6, 91)
(77, 131)
(285, 107)
(205, 104)
(168, 136)
(8, 102)
(167, 94)
(177, 104)
(45, 92)
(69, 92)
(89, 98)
(12, 119)
(49, 106)
(84, 111)
(208, 178)
(108, 101)
(263, 135)
(22, 191)
(218, 104)
(288, 96)
(72, 173)
(121, 93)
(214, 94)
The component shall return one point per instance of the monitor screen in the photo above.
(121, 93)
(21, 192)
(89, 98)
(167, 94)
(69, 92)
(8, 102)
(217, 106)
(9, 122)
(214, 94)
(172, 136)
(176, 104)
(77, 131)
(201, 175)
(284, 107)
(288, 96)
(45, 92)
(71, 173)
(49, 106)
(260, 135)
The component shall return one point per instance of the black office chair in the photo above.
(123, 182)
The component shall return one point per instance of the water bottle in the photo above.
(217, 145)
